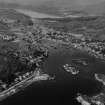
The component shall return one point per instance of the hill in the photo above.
(68, 6)
(60, 7)
(11, 14)
(97, 9)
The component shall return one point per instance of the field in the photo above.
(92, 26)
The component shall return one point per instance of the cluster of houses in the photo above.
(24, 76)
(7, 37)
(7, 20)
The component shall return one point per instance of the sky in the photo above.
(88, 2)
(82, 2)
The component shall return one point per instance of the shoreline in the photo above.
(100, 79)
(24, 83)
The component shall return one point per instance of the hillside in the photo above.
(97, 9)
(60, 7)
(63, 6)
(57, 7)
(11, 14)
(91, 26)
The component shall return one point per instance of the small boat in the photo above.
(71, 69)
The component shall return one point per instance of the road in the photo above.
(24, 83)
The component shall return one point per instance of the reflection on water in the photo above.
(64, 88)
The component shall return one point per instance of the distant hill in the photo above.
(56, 7)
(62, 6)
(12, 14)
(97, 9)
(59, 7)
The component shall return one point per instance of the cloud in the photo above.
(82, 2)
(23, 0)
(88, 2)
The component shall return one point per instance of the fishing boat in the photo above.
(71, 69)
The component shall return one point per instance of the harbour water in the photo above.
(64, 88)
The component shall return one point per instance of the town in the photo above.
(28, 43)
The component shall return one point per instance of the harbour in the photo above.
(65, 86)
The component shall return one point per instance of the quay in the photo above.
(36, 76)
